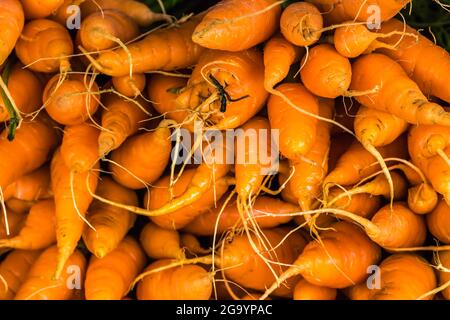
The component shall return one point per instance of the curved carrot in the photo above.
(40, 284)
(15, 222)
(130, 87)
(13, 271)
(175, 51)
(306, 291)
(120, 120)
(45, 46)
(110, 223)
(230, 25)
(109, 278)
(438, 222)
(104, 30)
(11, 24)
(422, 198)
(361, 204)
(388, 80)
(294, 143)
(161, 243)
(30, 187)
(26, 90)
(301, 23)
(72, 200)
(40, 9)
(38, 231)
(71, 101)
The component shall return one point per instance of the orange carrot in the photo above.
(388, 80)
(40, 284)
(444, 276)
(71, 101)
(106, 29)
(19, 206)
(130, 87)
(30, 187)
(15, 223)
(72, 199)
(25, 89)
(422, 198)
(230, 24)
(110, 223)
(438, 222)
(40, 9)
(361, 204)
(120, 120)
(161, 243)
(13, 271)
(175, 51)
(11, 24)
(306, 291)
(45, 46)
(109, 278)
(38, 231)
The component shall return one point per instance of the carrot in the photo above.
(388, 80)
(232, 84)
(444, 275)
(437, 171)
(45, 46)
(65, 11)
(120, 120)
(110, 277)
(361, 204)
(79, 147)
(328, 81)
(161, 243)
(142, 158)
(279, 55)
(175, 51)
(110, 223)
(328, 263)
(425, 62)
(162, 90)
(72, 200)
(264, 211)
(106, 29)
(30, 187)
(38, 231)
(230, 24)
(422, 198)
(13, 271)
(403, 277)
(180, 283)
(130, 87)
(306, 291)
(192, 245)
(11, 24)
(71, 101)
(136, 10)
(40, 9)
(357, 163)
(159, 196)
(40, 284)
(294, 143)
(26, 90)
(19, 206)
(301, 24)
(438, 222)
(31, 147)
(14, 224)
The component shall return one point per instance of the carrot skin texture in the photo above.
(15, 221)
(307, 291)
(69, 225)
(40, 284)
(111, 223)
(40, 9)
(12, 20)
(175, 51)
(14, 269)
(438, 222)
(30, 187)
(230, 24)
(444, 276)
(130, 87)
(161, 243)
(362, 204)
(109, 278)
(34, 141)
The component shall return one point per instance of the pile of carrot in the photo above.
(109, 190)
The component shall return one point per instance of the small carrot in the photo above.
(66, 11)
(161, 243)
(301, 24)
(120, 120)
(361, 204)
(110, 224)
(40, 284)
(422, 198)
(19, 206)
(71, 101)
(328, 263)
(142, 158)
(106, 29)
(306, 291)
(130, 87)
(279, 55)
(136, 10)
(38, 10)
(12, 20)
(230, 24)
(30, 187)
(109, 278)
(444, 275)
(14, 223)
(438, 222)
(38, 231)
(388, 80)
(45, 46)
(13, 271)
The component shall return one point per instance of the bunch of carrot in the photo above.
(340, 162)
